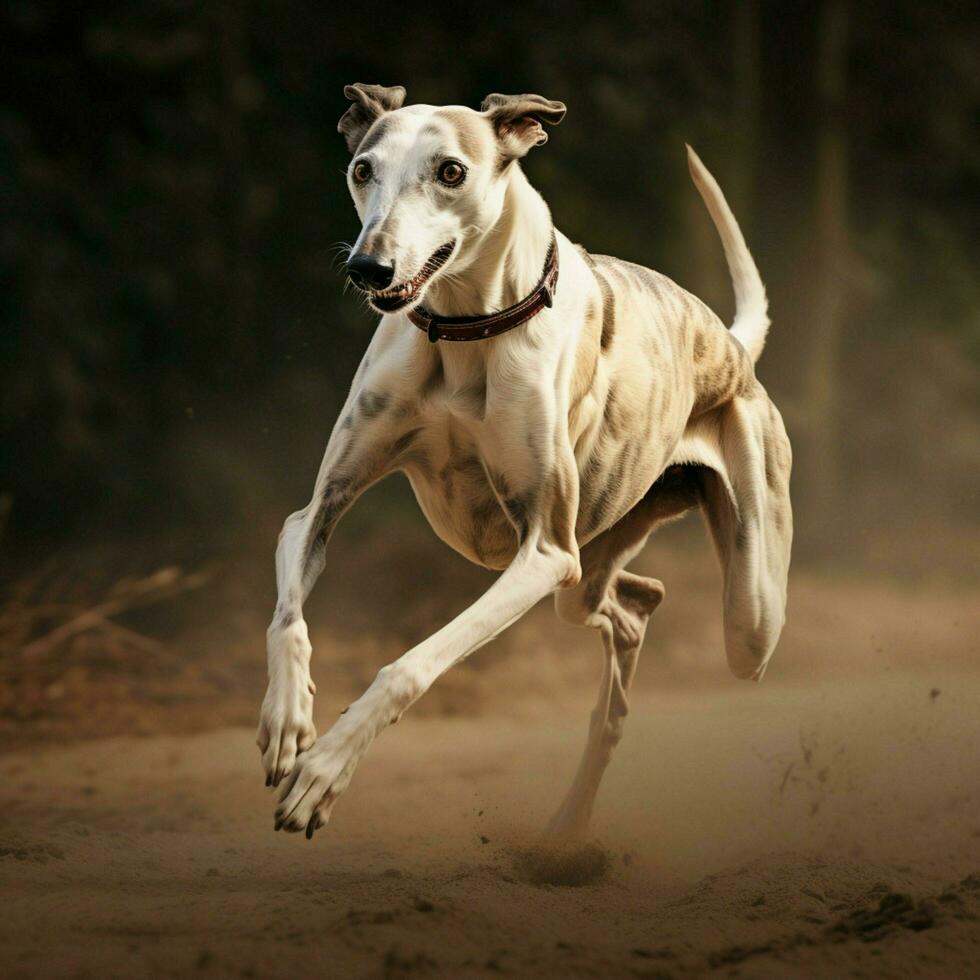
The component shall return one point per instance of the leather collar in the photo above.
(493, 324)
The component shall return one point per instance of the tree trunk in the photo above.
(823, 463)
(239, 235)
(737, 169)
(747, 75)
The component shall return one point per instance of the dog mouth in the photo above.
(398, 297)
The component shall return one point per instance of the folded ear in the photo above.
(517, 120)
(370, 103)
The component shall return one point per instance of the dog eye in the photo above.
(451, 173)
(361, 172)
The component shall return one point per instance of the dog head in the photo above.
(429, 182)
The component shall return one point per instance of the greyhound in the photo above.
(596, 400)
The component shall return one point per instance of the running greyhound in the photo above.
(550, 409)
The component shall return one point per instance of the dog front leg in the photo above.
(547, 560)
(362, 449)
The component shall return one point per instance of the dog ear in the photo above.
(370, 102)
(517, 120)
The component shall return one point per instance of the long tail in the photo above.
(751, 317)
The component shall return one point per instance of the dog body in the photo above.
(549, 452)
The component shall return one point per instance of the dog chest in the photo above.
(450, 481)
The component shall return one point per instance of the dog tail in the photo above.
(751, 306)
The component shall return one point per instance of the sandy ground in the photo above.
(825, 823)
(819, 829)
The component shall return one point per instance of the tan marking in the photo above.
(376, 133)
(472, 133)
(586, 356)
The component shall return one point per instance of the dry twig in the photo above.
(163, 584)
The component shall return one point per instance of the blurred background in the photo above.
(175, 341)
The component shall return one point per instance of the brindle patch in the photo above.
(517, 506)
(611, 414)
(472, 133)
(557, 493)
(586, 357)
(741, 535)
(617, 478)
(403, 442)
(620, 462)
(769, 454)
(674, 302)
(468, 464)
(484, 514)
(464, 466)
(778, 454)
(533, 442)
(418, 460)
(333, 500)
(376, 134)
(499, 482)
(608, 311)
(723, 372)
(519, 510)
(595, 488)
(594, 592)
(600, 507)
(643, 279)
(286, 615)
(336, 489)
(373, 403)
(448, 486)
(472, 400)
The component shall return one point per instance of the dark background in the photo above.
(175, 340)
(175, 343)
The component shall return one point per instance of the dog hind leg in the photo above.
(747, 507)
(618, 604)
(624, 608)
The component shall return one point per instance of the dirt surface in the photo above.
(824, 829)
(824, 823)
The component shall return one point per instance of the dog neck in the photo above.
(507, 259)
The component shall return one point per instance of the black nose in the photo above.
(367, 272)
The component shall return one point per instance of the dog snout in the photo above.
(369, 272)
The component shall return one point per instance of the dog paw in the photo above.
(285, 729)
(320, 777)
(286, 720)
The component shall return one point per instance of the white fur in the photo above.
(504, 407)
